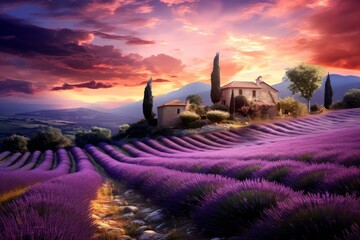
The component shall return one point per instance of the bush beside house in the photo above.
(217, 116)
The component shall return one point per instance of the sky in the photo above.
(100, 53)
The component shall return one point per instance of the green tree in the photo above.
(328, 93)
(304, 79)
(94, 136)
(240, 101)
(148, 101)
(215, 93)
(352, 98)
(194, 99)
(48, 138)
(16, 143)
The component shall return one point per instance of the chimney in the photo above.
(259, 80)
(187, 102)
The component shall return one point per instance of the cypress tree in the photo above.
(148, 101)
(328, 93)
(232, 104)
(215, 93)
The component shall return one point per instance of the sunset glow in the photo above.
(101, 53)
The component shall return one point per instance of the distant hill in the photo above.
(340, 85)
(84, 116)
(134, 110)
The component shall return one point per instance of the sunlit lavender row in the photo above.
(314, 178)
(226, 207)
(56, 208)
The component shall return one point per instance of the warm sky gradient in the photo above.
(101, 52)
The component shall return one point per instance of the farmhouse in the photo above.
(168, 113)
(253, 91)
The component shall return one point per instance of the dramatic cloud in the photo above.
(10, 87)
(122, 43)
(91, 85)
(17, 37)
(129, 39)
(158, 80)
(333, 34)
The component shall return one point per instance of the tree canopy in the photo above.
(304, 80)
(194, 99)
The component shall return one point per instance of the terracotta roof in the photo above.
(269, 86)
(241, 84)
(176, 102)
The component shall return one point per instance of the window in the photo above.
(223, 102)
(240, 91)
(254, 93)
(178, 111)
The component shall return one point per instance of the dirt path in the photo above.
(120, 213)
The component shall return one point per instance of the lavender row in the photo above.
(343, 149)
(20, 162)
(314, 178)
(56, 209)
(259, 142)
(23, 177)
(4, 155)
(10, 160)
(221, 206)
(178, 192)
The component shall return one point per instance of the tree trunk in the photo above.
(308, 105)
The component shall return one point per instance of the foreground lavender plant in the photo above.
(311, 217)
(55, 209)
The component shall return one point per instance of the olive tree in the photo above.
(304, 79)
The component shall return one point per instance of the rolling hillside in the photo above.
(84, 116)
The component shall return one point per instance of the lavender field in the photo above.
(290, 179)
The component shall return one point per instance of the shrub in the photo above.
(16, 143)
(48, 138)
(94, 136)
(240, 101)
(187, 117)
(217, 116)
(199, 110)
(264, 108)
(352, 98)
(314, 108)
(197, 124)
(123, 129)
(219, 108)
(339, 105)
(292, 107)
(249, 110)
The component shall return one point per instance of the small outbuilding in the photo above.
(168, 113)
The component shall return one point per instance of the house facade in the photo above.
(253, 91)
(168, 113)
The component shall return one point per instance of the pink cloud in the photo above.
(163, 63)
(176, 2)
